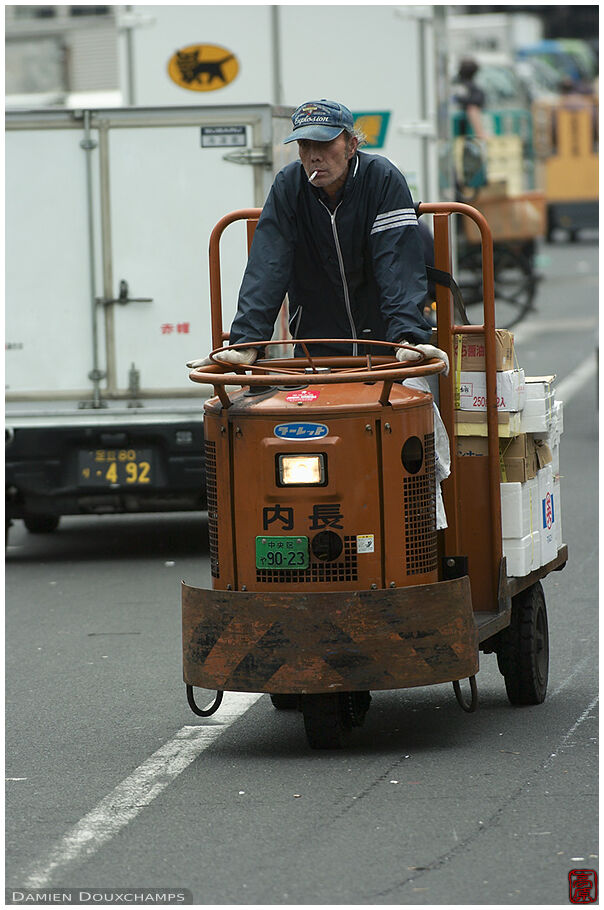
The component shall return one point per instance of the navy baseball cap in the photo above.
(320, 120)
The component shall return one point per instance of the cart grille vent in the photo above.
(419, 494)
(212, 499)
(345, 570)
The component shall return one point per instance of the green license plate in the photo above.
(115, 467)
(282, 553)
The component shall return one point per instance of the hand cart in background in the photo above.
(517, 221)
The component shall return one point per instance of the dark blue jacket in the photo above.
(358, 272)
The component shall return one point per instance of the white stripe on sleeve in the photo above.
(385, 215)
(395, 219)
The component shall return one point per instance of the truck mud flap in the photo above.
(311, 643)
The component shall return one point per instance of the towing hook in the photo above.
(207, 711)
(468, 707)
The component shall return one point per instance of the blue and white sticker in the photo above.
(301, 430)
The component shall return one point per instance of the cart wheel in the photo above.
(515, 285)
(329, 719)
(41, 524)
(285, 702)
(523, 648)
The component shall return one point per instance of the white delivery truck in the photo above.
(108, 216)
(109, 212)
(388, 64)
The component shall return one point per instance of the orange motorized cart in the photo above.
(329, 576)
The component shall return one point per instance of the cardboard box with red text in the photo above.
(469, 352)
(471, 390)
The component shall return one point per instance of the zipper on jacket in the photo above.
(332, 215)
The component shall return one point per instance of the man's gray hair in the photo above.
(358, 134)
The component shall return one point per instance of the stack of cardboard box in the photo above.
(530, 426)
(470, 385)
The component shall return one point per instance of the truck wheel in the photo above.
(329, 719)
(285, 702)
(41, 524)
(523, 648)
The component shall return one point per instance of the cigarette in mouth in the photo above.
(312, 176)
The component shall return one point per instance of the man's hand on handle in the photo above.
(428, 350)
(241, 357)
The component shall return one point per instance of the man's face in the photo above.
(329, 159)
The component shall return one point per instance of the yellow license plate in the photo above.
(115, 467)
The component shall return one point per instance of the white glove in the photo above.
(242, 357)
(404, 354)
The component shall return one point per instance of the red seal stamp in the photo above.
(582, 886)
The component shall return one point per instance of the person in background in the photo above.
(467, 98)
(470, 99)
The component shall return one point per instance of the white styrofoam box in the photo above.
(539, 387)
(557, 513)
(551, 436)
(555, 450)
(541, 407)
(547, 514)
(538, 415)
(559, 416)
(471, 390)
(519, 508)
(523, 554)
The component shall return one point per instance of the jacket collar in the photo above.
(353, 169)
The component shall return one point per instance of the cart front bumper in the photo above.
(345, 641)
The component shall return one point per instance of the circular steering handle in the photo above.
(315, 370)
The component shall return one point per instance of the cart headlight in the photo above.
(301, 470)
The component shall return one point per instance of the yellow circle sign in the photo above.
(203, 67)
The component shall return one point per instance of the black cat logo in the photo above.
(203, 68)
(194, 69)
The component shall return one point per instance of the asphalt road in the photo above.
(113, 784)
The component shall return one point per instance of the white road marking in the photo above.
(128, 799)
(566, 682)
(568, 387)
(527, 330)
(572, 730)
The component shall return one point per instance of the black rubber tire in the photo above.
(41, 524)
(329, 719)
(523, 648)
(285, 702)
(326, 720)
